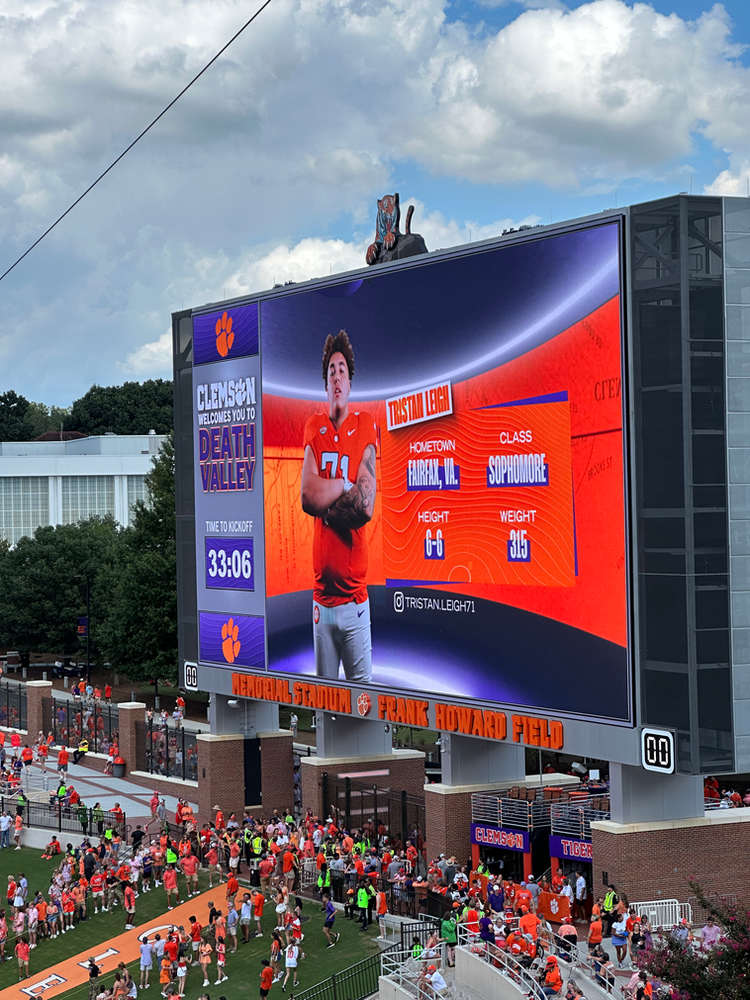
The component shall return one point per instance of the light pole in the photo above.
(88, 630)
(87, 577)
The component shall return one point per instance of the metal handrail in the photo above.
(399, 965)
(556, 945)
(505, 964)
(498, 809)
(575, 820)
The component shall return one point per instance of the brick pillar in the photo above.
(37, 692)
(448, 821)
(277, 771)
(221, 775)
(130, 712)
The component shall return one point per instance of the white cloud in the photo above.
(566, 97)
(528, 4)
(735, 181)
(150, 360)
(307, 259)
(286, 141)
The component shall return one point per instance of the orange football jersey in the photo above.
(339, 554)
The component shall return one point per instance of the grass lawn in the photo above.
(242, 968)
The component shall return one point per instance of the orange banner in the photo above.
(553, 907)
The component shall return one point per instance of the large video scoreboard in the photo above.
(474, 549)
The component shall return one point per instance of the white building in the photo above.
(62, 482)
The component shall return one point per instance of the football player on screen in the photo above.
(338, 490)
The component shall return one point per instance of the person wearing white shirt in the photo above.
(436, 980)
(581, 892)
(5, 821)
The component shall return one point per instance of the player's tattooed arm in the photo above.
(318, 494)
(355, 507)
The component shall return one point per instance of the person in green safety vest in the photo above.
(20, 804)
(372, 895)
(97, 817)
(482, 869)
(416, 949)
(609, 908)
(172, 858)
(324, 879)
(363, 900)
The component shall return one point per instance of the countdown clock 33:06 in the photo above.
(230, 564)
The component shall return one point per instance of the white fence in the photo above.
(664, 912)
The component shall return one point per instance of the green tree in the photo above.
(132, 408)
(720, 973)
(41, 418)
(21, 420)
(139, 635)
(43, 585)
(14, 420)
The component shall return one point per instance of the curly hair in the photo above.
(340, 343)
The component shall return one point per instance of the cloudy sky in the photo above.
(482, 113)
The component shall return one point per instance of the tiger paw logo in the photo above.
(231, 645)
(364, 704)
(224, 337)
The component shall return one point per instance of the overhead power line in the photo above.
(136, 140)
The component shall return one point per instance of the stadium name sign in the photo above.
(467, 719)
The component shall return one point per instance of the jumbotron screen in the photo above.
(414, 480)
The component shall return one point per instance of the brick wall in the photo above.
(276, 771)
(656, 864)
(448, 823)
(405, 773)
(221, 775)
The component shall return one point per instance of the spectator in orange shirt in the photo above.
(189, 867)
(266, 978)
(129, 906)
(258, 904)
(266, 869)
(79, 898)
(523, 897)
(595, 932)
(529, 924)
(22, 954)
(212, 858)
(232, 888)
(170, 886)
(552, 978)
(289, 868)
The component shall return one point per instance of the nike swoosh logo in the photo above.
(349, 433)
(360, 613)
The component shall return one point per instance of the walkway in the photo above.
(94, 786)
